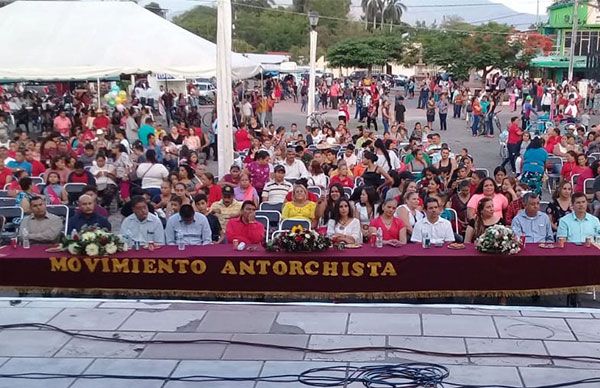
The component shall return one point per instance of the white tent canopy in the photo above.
(71, 40)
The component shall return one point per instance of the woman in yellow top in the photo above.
(300, 206)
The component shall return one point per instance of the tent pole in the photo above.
(224, 91)
(98, 92)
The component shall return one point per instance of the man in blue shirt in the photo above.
(190, 226)
(86, 216)
(142, 226)
(20, 163)
(531, 222)
(579, 224)
(145, 130)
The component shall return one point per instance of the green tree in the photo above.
(366, 51)
(201, 20)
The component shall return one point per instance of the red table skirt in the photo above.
(366, 273)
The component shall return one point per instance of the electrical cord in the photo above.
(95, 337)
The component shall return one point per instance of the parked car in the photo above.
(206, 89)
(400, 80)
(358, 75)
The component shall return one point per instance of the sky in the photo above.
(527, 6)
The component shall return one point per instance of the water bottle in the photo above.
(179, 240)
(379, 238)
(25, 235)
(426, 240)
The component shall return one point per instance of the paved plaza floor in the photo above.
(460, 329)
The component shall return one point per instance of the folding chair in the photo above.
(588, 188)
(544, 206)
(271, 206)
(273, 216)
(265, 221)
(574, 180)
(554, 166)
(74, 190)
(291, 180)
(13, 215)
(485, 171)
(315, 190)
(41, 187)
(8, 202)
(37, 179)
(61, 211)
(348, 192)
(454, 221)
(591, 159)
(4, 194)
(289, 223)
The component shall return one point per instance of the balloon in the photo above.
(121, 100)
(115, 89)
(123, 94)
(107, 96)
(120, 107)
(111, 103)
(113, 94)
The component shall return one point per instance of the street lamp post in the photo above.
(313, 20)
(575, 19)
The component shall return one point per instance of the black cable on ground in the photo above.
(94, 337)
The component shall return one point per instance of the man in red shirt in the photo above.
(101, 121)
(37, 167)
(245, 228)
(515, 135)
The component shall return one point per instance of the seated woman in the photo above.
(26, 193)
(394, 230)
(343, 175)
(343, 227)
(299, 207)
(486, 217)
(188, 178)
(366, 207)
(410, 212)
(54, 191)
(106, 176)
(245, 191)
(59, 165)
(325, 205)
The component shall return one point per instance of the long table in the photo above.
(218, 271)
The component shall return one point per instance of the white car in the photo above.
(205, 89)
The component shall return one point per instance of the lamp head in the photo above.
(313, 19)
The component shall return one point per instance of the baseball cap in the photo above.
(279, 167)
(227, 190)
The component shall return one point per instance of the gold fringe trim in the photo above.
(290, 295)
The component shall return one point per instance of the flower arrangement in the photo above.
(92, 241)
(299, 239)
(498, 239)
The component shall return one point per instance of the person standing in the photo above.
(399, 110)
(476, 112)
(442, 107)
(513, 144)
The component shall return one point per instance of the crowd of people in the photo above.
(349, 183)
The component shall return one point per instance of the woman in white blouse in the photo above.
(344, 227)
(152, 174)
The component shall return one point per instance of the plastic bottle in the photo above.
(25, 235)
(179, 241)
(426, 240)
(379, 238)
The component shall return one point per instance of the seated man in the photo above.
(276, 189)
(245, 228)
(43, 227)
(192, 227)
(579, 224)
(437, 228)
(87, 216)
(531, 222)
(142, 226)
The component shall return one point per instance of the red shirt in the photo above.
(75, 178)
(242, 140)
(37, 167)
(391, 233)
(214, 194)
(252, 233)
(345, 182)
(4, 173)
(101, 122)
(551, 142)
(515, 134)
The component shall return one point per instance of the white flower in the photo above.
(73, 248)
(88, 236)
(92, 250)
(110, 248)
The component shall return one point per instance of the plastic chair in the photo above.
(8, 202)
(315, 190)
(289, 223)
(485, 170)
(271, 206)
(347, 192)
(37, 179)
(544, 206)
(12, 219)
(273, 216)
(588, 188)
(554, 165)
(74, 190)
(574, 180)
(4, 194)
(454, 216)
(61, 211)
(265, 221)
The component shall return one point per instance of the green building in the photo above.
(559, 25)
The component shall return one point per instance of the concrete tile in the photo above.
(585, 329)
(3, 360)
(91, 319)
(122, 367)
(190, 351)
(63, 303)
(392, 324)
(216, 368)
(495, 345)
(42, 365)
(16, 302)
(484, 375)
(163, 320)
(433, 344)
(79, 347)
(136, 305)
(561, 348)
(31, 343)
(597, 316)
(555, 314)
(237, 322)
(346, 341)
(309, 323)
(241, 352)
(458, 326)
(273, 368)
(535, 377)
(534, 328)
(11, 315)
(479, 311)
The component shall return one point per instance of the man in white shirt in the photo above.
(276, 189)
(438, 229)
(294, 168)
(142, 226)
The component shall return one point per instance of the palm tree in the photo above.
(369, 8)
(393, 12)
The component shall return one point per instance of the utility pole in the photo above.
(575, 18)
